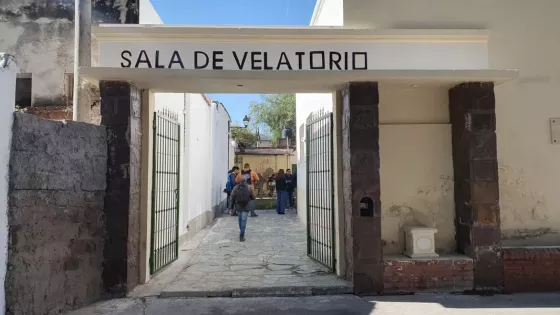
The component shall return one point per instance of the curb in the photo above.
(288, 291)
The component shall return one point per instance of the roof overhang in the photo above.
(306, 81)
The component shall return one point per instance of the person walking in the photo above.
(240, 202)
(251, 178)
(290, 187)
(281, 193)
(230, 184)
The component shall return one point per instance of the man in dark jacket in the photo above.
(240, 202)
(290, 187)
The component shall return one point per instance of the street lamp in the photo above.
(246, 121)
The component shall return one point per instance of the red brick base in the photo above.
(531, 269)
(405, 275)
(51, 112)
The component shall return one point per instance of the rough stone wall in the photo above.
(57, 191)
(41, 36)
(120, 112)
(475, 167)
(361, 186)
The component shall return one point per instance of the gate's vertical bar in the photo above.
(178, 189)
(308, 184)
(154, 168)
(333, 240)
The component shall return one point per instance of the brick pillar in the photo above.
(361, 189)
(473, 119)
(120, 112)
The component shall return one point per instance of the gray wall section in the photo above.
(40, 33)
(57, 191)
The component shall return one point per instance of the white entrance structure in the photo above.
(307, 60)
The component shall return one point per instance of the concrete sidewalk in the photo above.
(421, 304)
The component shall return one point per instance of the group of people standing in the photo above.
(240, 188)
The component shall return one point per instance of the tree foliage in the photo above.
(244, 136)
(276, 112)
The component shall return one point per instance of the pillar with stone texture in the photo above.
(120, 113)
(473, 120)
(361, 187)
(8, 75)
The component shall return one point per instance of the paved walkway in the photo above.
(271, 261)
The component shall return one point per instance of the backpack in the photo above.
(243, 195)
(230, 181)
(247, 175)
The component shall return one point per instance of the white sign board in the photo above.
(294, 56)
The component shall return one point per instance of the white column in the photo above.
(8, 73)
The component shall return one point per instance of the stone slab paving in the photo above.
(271, 262)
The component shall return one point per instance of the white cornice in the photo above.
(123, 33)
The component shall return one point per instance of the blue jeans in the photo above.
(242, 215)
(281, 197)
(290, 198)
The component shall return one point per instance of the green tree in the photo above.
(276, 112)
(244, 136)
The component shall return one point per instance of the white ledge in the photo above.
(309, 81)
(128, 32)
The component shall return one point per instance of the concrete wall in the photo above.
(57, 190)
(522, 37)
(205, 158)
(416, 165)
(8, 72)
(41, 35)
(220, 155)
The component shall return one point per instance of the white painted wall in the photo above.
(416, 165)
(205, 158)
(524, 36)
(8, 73)
(148, 14)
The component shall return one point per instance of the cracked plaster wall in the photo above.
(55, 214)
(40, 33)
(529, 168)
(416, 165)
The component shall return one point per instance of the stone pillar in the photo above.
(361, 188)
(120, 112)
(8, 75)
(473, 120)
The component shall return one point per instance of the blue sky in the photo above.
(236, 12)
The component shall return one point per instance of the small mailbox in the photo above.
(367, 207)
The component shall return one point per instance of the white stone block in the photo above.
(420, 242)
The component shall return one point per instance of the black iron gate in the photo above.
(320, 190)
(165, 190)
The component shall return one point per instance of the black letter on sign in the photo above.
(283, 61)
(365, 64)
(196, 65)
(146, 60)
(242, 64)
(311, 59)
(216, 59)
(157, 60)
(254, 60)
(125, 58)
(335, 58)
(266, 66)
(300, 59)
(176, 58)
